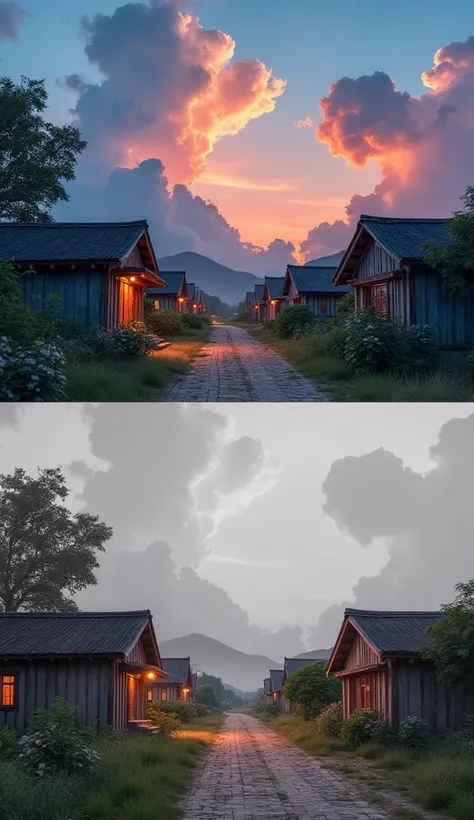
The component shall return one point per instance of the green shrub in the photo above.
(9, 744)
(19, 322)
(36, 373)
(193, 321)
(133, 340)
(271, 710)
(373, 344)
(187, 712)
(414, 733)
(165, 323)
(421, 349)
(328, 340)
(293, 321)
(345, 307)
(54, 744)
(167, 723)
(359, 727)
(329, 722)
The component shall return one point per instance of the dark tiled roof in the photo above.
(69, 241)
(275, 286)
(174, 281)
(395, 631)
(177, 670)
(259, 293)
(71, 633)
(293, 664)
(276, 677)
(315, 279)
(403, 237)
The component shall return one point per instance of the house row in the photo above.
(378, 657)
(301, 285)
(106, 664)
(96, 274)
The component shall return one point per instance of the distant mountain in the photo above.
(327, 261)
(317, 654)
(217, 280)
(237, 669)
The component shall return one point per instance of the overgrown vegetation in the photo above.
(311, 690)
(126, 776)
(455, 260)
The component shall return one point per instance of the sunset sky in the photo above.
(155, 85)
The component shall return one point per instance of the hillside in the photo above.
(239, 670)
(329, 261)
(217, 280)
(317, 654)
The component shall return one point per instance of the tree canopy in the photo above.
(455, 260)
(46, 553)
(453, 638)
(36, 157)
(311, 689)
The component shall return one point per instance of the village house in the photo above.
(274, 690)
(384, 263)
(266, 690)
(178, 684)
(291, 665)
(195, 299)
(314, 287)
(378, 659)
(174, 294)
(99, 662)
(260, 309)
(273, 296)
(95, 273)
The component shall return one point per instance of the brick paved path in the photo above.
(239, 368)
(252, 773)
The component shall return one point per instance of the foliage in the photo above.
(35, 156)
(345, 307)
(292, 321)
(18, 321)
(452, 651)
(133, 340)
(328, 339)
(165, 322)
(329, 722)
(194, 321)
(186, 712)
(271, 709)
(207, 696)
(360, 726)
(9, 744)
(421, 349)
(53, 744)
(231, 700)
(217, 686)
(45, 550)
(414, 733)
(33, 374)
(165, 721)
(311, 690)
(455, 260)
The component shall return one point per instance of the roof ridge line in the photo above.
(121, 614)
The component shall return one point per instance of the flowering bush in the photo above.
(166, 322)
(294, 321)
(372, 344)
(329, 722)
(187, 712)
(166, 723)
(9, 745)
(133, 340)
(421, 348)
(54, 744)
(34, 374)
(414, 733)
(359, 727)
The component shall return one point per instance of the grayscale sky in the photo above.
(256, 524)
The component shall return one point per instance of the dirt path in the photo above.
(235, 367)
(252, 773)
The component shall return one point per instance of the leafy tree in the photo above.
(453, 638)
(207, 696)
(455, 260)
(35, 156)
(216, 684)
(311, 690)
(45, 550)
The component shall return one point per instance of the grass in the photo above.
(139, 778)
(133, 380)
(451, 381)
(441, 778)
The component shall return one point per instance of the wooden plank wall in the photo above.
(315, 304)
(82, 293)
(451, 317)
(361, 654)
(419, 693)
(375, 261)
(83, 683)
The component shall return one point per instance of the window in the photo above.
(379, 300)
(364, 693)
(156, 304)
(324, 305)
(163, 694)
(7, 691)
(149, 695)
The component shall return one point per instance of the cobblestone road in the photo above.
(236, 367)
(252, 773)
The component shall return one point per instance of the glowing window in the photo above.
(7, 691)
(149, 695)
(163, 694)
(156, 304)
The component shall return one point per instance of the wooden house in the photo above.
(95, 273)
(99, 662)
(384, 264)
(260, 311)
(266, 690)
(174, 294)
(195, 299)
(273, 296)
(178, 684)
(313, 286)
(291, 665)
(378, 658)
(274, 690)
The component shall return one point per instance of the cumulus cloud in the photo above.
(422, 145)
(12, 16)
(426, 521)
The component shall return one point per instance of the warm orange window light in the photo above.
(273, 301)
(149, 695)
(180, 299)
(7, 690)
(133, 278)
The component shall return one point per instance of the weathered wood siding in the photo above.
(172, 691)
(82, 293)
(134, 259)
(352, 695)
(86, 684)
(451, 317)
(375, 261)
(316, 304)
(166, 302)
(137, 654)
(419, 693)
(361, 655)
